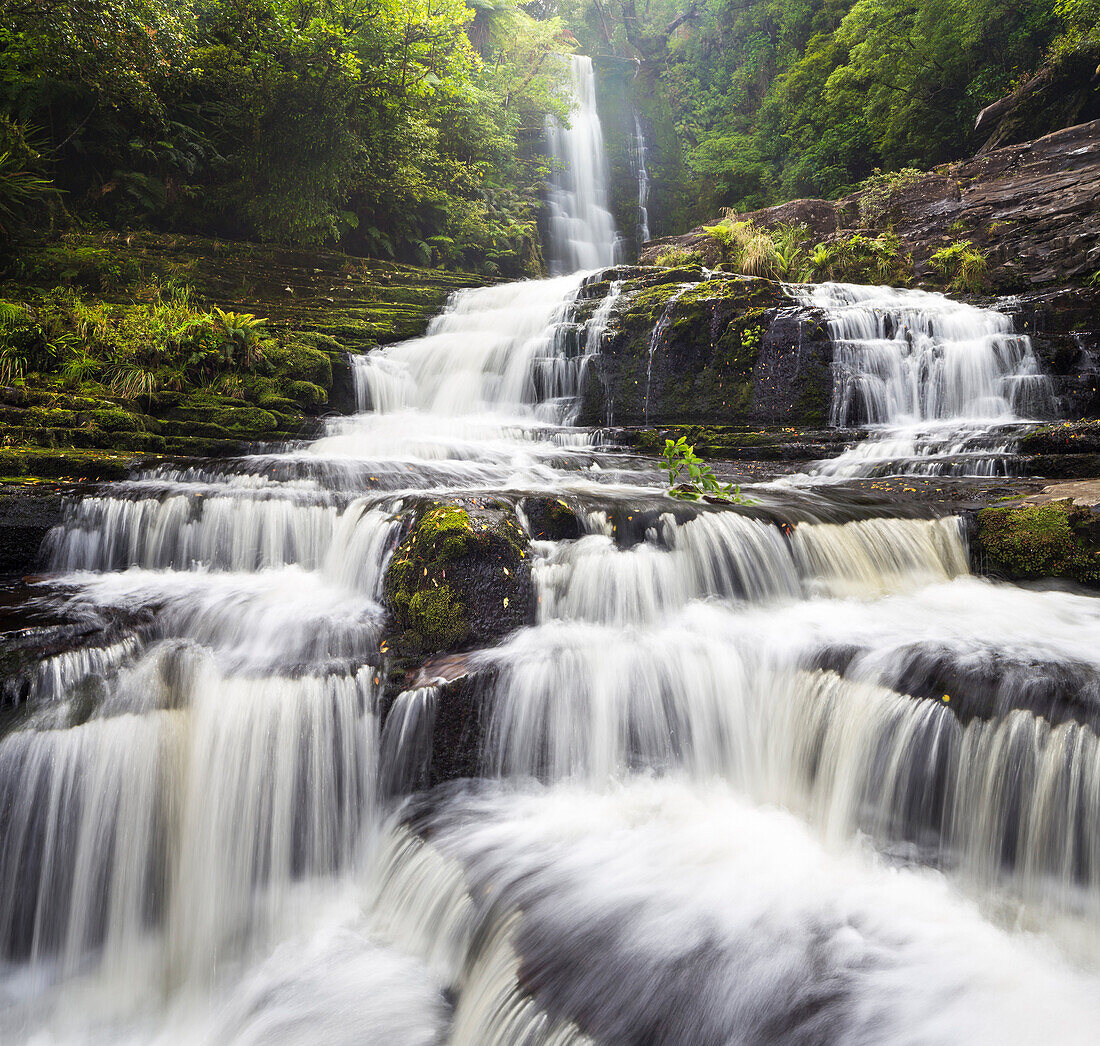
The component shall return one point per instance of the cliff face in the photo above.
(629, 97)
(1034, 207)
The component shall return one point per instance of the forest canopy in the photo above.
(400, 128)
(412, 129)
(779, 99)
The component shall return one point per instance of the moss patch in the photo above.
(460, 577)
(1042, 541)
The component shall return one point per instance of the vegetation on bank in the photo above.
(153, 344)
(784, 252)
(1039, 541)
(414, 131)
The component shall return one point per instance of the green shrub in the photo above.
(962, 266)
(690, 478)
(860, 259)
(676, 257)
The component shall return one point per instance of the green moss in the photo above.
(428, 581)
(118, 420)
(306, 393)
(297, 361)
(1041, 541)
(438, 616)
(416, 586)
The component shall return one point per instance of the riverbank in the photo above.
(116, 352)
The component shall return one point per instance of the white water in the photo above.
(582, 231)
(940, 383)
(732, 799)
(639, 157)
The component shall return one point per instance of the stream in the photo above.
(785, 772)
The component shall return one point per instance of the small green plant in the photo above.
(677, 257)
(962, 266)
(700, 480)
(860, 259)
(744, 247)
(879, 189)
(1094, 280)
(21, 190)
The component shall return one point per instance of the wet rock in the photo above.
(27, 515)
(550, 519)
(443, 738)
(1034, 207)
(460, 578)
(691, 347)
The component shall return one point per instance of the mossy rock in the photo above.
(118, 420)
(1060, 540)
(461, 577)
(298, 361)
(681, 355)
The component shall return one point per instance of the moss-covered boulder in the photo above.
(460, 578)
(1059, 540)
(682, 348)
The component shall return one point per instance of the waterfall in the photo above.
(783, 772)
(638, 158)
(582, 231)
(939, 382)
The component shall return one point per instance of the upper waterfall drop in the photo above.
(582, 233)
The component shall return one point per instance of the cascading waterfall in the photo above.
(766, 774)
(581, 228)
(940, 383)
(638, 158)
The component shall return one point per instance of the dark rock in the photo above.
(27, 515)
(447, 739)
(461, 578)
(550, 519)
(685, 347)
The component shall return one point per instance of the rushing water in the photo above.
(639, 156)
(780, 774)
(581, 227)
(940, 383)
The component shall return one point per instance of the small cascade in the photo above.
(941, 384)
(582, 232)
(638, 160)
(665, 913)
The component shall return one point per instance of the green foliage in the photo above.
(21, 191)
(962, 266)
(399, 128)
(690, 478)
(677, 257)
(1040, 541)
(1080, 26)
(133, 352)
(877, 191)
(860, 259)
(778, 99)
